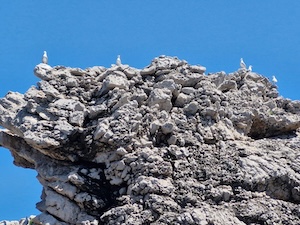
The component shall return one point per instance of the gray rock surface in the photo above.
(23, 221)
(163, 145)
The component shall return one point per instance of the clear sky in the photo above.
(214, 33)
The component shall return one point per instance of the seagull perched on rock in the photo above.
(45, 58)
(274, 79)
(118, 61)
(250, 68)
(242, 64)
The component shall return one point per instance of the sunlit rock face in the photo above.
(166, 144)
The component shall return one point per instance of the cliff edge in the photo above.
(166, 144)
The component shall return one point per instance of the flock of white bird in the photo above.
(118, 63)
(244, 67)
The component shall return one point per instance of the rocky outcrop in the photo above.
(163, 145)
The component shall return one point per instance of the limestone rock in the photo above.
(42, 71)
(166, 144)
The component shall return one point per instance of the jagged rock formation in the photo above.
(163, 145)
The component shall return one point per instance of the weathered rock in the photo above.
(42, 71)
(24, 221)
(182, 99)
(148, 71)
(227, 85)
(113, 81)
(162, 98)
(163, 145)
(197, 69)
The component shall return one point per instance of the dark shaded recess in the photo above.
(21, 162)
(99, 187)
(187, 143)
(173, 99)
(279, 188)
(78, 142)
(260, 130)
(170, 157)
(251, 220)
(161, 139)
(210, 141)
(186, 200)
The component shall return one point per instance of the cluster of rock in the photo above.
(163, 145)
(23, 221)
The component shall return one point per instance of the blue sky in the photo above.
(215, 34)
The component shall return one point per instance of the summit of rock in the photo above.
(166, 144)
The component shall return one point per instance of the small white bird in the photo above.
(274, 79)
(118, 61)
(45, 58)
(242, 64)
(250, 68)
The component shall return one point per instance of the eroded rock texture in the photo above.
(163, 145)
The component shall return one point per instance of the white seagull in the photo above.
(242, 64)
(274, 79)
(45, 58)
(118, 61)
(250, 68)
